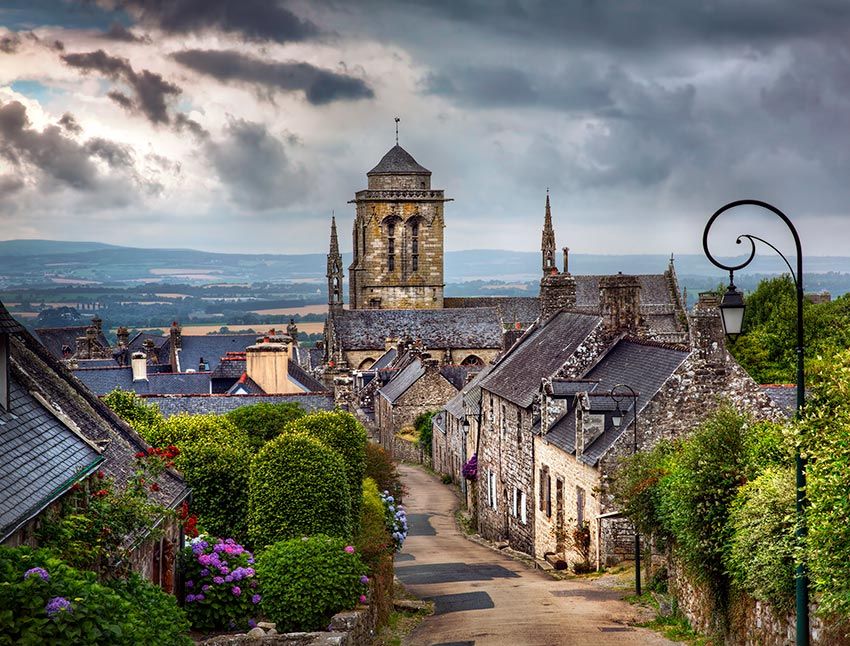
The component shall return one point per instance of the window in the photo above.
(548, 495)
(542, 488)
(580, 506)
(545, 490)
(504, 420)
(519, 506)
(491, 489)
(391, 246)
(414, 246)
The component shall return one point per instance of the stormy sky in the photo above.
(240, 125)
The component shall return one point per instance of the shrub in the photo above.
(218, 475)
(160, 619)
(424, 430)
(297, 488)
(144, 418)
(373, 539)
(381, 468)
(761, 552)
(307, 580)
(183, 430)
(766, 444)
(824, 432)
(636, 488)
(222, 589)
(263, 422)
(342, 432)
(45, 601)
(697, 494)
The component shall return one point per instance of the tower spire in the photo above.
(334, 273)
(547, 246)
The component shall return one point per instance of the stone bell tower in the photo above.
(398, 237)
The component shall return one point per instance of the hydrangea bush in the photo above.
(396, 520)
(222, 588)
(470, 468)
(308, 580)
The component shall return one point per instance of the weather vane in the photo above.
(396, 130)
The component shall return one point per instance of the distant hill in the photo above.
(46, 262)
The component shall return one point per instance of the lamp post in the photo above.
(617, 421)
(732, 315)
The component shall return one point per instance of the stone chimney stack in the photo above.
(175, 333)
(97, 323)
(139, 367)
(123, 336)
(150, 350)
(566, 251)
(267, 364)
(707, 330)
(557, 292)
(619, 302)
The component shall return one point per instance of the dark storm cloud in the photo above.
(114, 154)
(182, 122)
(69, 123)
(53, 155)
(255, 167)
(120, 33)
(319, 86)
(151, 90)
(251, 19)
(121, 99)
(647, 25)
(10, 44)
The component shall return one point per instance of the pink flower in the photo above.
(349, 549)
(363, 598)
(236, 591)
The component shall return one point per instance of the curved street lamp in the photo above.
(732, 315)
(617, 420)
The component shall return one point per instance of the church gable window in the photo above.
(391, 245)
(414, 245)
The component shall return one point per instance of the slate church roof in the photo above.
(56, 338)
(478, 327)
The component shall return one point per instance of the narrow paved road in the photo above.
(484, 598)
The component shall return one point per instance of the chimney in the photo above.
(176, 344)
(267, 364)
(202, 366)
(97, 323)
(566, 260)
(139, 367)
(123, 336)
(619, 302)
(557, 292)
(150, 350)
(707, 330)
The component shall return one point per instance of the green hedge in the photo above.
(308, 580)
(297, 488)
(342, 432)
(381, 468)
(761, 551)
(219, 476)
(263, 422)
(373, 541)
(32, 613)
(184, 429)
(145, 418)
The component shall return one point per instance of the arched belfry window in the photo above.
(414, 245)
(391, 245)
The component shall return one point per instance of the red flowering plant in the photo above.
(98, 523)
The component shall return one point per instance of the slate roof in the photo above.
(785, 396)
(477, 327)
(40, 458)
(210, 347)
(403, 380)
(644, 366)
(8, 324)
(54, 338)
(455, 375)
(38, 370)
(97, 363)
(245, 386)
(384, 360)
(470, 395)
(104, 380)
(568, 387)
(398, 161)
(512, 309)
(136, 344)
(305, 379)
(544, 349)
(174, 404)
(230, 367)
(562, 432)
(655, 290)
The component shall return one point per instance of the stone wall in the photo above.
(507, 450)
(404, 450)
(429, 393)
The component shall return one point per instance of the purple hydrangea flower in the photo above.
(40, 572)
(255, 599)
(205, 587)
(199, 597)
(236, 591)
(228, 579)
(190, 584)
(218, 580)
(252, 623)
(224, 570)
(364, 579)
(204, 572)
(190, 598)
(57, 605)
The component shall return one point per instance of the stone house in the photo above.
(54, 433)
(421, 386)
(577, 447)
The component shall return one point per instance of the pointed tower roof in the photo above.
(547, 220)
(398, 162)
(334, 251)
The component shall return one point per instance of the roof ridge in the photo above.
(656, 344)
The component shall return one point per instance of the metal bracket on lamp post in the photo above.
(801, 577)
(633, 394)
